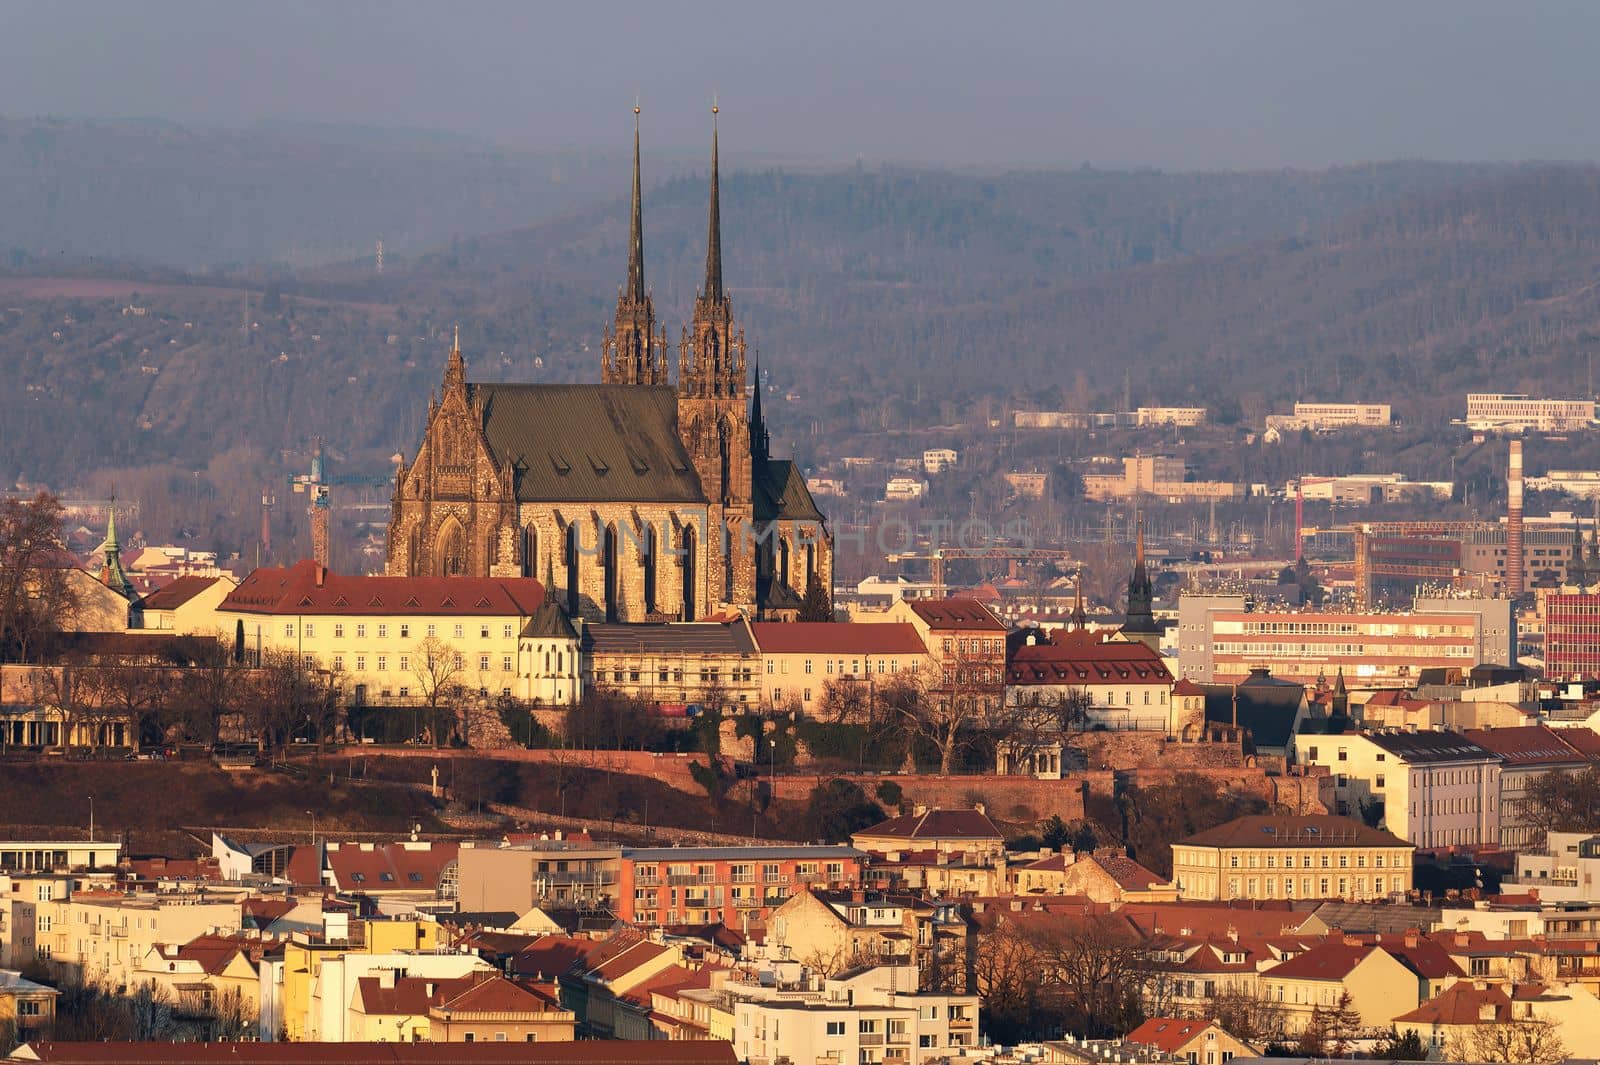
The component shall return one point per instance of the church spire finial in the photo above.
(636, 225)
(713, 290)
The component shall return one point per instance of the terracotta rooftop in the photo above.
(1528, 745)
(955, 613)
(1167, 1034)
(177, 593)
(1312, 830)
(307, 588)
(1087, 658)
(934, 825)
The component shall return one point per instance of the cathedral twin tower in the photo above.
(632, 499)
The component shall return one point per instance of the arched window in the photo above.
(608, 560)
(450, 553)
(687, 567)
(783, 559)
(572, 570)
(649, 549)
(725, 454)
(530, 550)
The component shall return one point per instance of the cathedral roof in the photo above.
(781, 493)
(590, 443)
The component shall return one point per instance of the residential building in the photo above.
(966, 641)
(1306, 857)
(188, 605)
(1382, 980)
(1565, 868)
(1221, 638)
(965, 832)
(1518, 413)
(873, 1016)
(1122, 684)
(802, 661)
(1195, 1041)
(551, 872)
(692, 1052)
(106, 935)
(210, 972)
(675, 664)
(413, 869)
(1436, 789)
(939, 459)
(1448, 1024)
(831, 932)
(27, 1008)
(738, 886)
(1105, 875)
(1526, 753)
(375, 636)
(1361, 489)
(391, 1006)
(1581, 484)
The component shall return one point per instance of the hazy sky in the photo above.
(1228, 83)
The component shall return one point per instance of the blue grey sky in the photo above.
(1224, 84)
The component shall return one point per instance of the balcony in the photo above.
(682, 879)
(870, 1039)
(647, 881)
(747, 904)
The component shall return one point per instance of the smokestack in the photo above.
(1514, 568)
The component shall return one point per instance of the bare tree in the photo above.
(1102, 968)
(945, 710)
(73, 690)
(1249, 1014)
(35, 595)
(845, 700)
(438, 668)
(140, 694)
(1522, 1041)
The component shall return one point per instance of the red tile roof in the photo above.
(956, 613)
(1461, 1003)
(374, 867)
(1187, 687)
(1167, 1034)
(1129, 874)
(177, 593)
(828, 637)
(1332, 959)
(1087, 658)
(1527, 745)
(306, 588)
(935, 825)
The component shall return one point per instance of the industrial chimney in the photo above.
(1514, 561)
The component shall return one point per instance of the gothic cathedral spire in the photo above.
(711, 355)
(634, 353)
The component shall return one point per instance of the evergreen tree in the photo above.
(815, 605)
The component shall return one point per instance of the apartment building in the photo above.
(1438, 789)
(966, 642)
(1156, 475)
(106, 935)
(674, 664)
(1307, 857)
(801, 660)
(517, 878)
(1183, 417)
(1221, 638)
(873, 1016)
(1325, 417)
(1125, 684)
(738, 886)
(1526, 753)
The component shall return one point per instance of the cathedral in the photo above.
(634, 499)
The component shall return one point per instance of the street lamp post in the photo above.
(313, 815)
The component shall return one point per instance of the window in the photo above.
(361, 663)
(405, 632)
(836, 1028)
(338, 630)
(383, 663)
(433, 630)
(772, 666)
(483, 632)
(383, 631)
(338, 663)
(288, 628)
(459, 631)
(483, 663)
(459, 660)
(361, 630)
(808, 665)
(505, 663)
(505, 632)
(28, 1007)
(405, 661)
(311, 630)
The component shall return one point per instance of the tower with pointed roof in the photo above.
(112, 575)
(1080, 616)
(633, 351)
(1140, 623)
(712, 416)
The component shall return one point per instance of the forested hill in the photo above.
(880, 296)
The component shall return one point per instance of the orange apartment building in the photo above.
(738, 886)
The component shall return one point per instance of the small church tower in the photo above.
(1140, 624)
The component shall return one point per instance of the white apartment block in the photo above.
(864, 1017)
(1438, 789)
(1183, 417)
